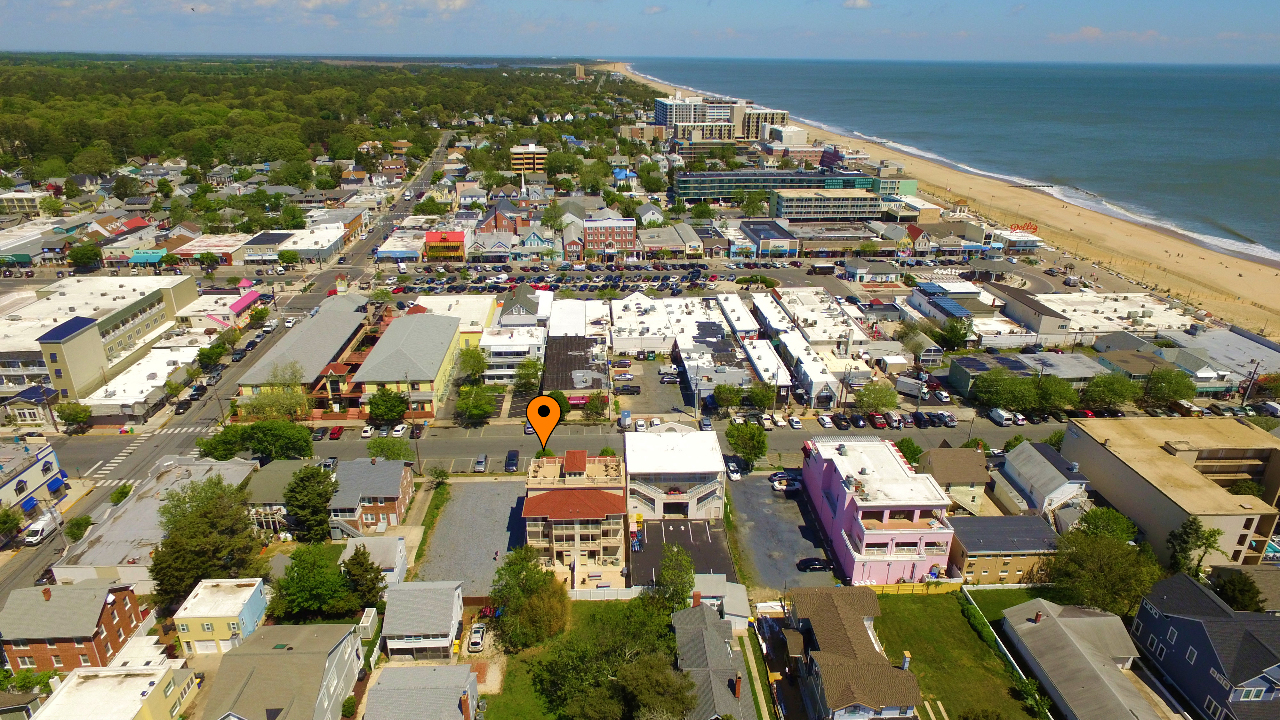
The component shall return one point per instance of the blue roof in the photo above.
(929, 288)
(35, 394)
(951, 307)
(30, 503)
(66, 330)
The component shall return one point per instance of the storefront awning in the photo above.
(54, 484)
(29, 504)
(579, 399)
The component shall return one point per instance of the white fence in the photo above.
(606, 593)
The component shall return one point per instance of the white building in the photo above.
(768, 366)
(640, 323)
(316, 244)
(135, 392)
(770, 315)
(814, 385)
(507, 347)
(736, 313)
(674, 471)
(824, 323)
(705, 345)
(474, 312)
(422, 619)
(580, 318)
(120, 693)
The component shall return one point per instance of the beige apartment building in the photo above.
(1160, 471)
(575, 513)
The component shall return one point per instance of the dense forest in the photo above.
(71, 113)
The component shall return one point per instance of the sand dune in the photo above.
(1240, 291)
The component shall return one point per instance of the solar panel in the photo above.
(969, 363)
(931, 288)
(951, 307)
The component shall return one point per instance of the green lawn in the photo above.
(951, 662)
(439, 497)
(992, 603)
(517, 701)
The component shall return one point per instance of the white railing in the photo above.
(606, 593)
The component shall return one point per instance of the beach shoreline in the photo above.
(1231, 286)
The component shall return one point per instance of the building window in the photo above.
(1137, 628)
(182, 627)
(208, 627)
(168, 689)
(233, 627)
(53, 357)
(57, 373)
(79, 642)
(1191, 656)
(1172, 635)
(50, 643)
(57, 660)
(26, 662)
(174, 710)
(65, 393)
(113, 616)
(1151, 642)
(1212, 708)
(84, 660)
(119, 634)
(1252, 693)
(19, 644)
(1160, 653)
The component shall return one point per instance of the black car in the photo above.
(626, 390)
(46, 577)
(840, 421)
(920, 420)
(858, 421)
(416, 432)
(182, 407)
(813, 564)
(237, 355)
(249, 346)
(319, 433)
(513, 461)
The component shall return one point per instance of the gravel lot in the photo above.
(481, 517)
(654, 398)
(775, 531)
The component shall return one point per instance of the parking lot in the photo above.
(704, 540)
(481, 518)
(654, 398)
(775, 530)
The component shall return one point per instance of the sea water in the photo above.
(1193, 148)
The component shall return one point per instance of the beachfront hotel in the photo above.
(702, 114)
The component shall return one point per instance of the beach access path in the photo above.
(1241, 291)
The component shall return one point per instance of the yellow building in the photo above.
(219, 614)
(474, 313)
(414, 356)
(528, 158)
(156, 692)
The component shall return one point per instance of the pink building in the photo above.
(885, 522)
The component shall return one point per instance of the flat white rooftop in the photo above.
(819, 317)
(737, 314)
(1108, 312)
(875, 469)
(218, 598)
(27, 315)
(579, 318)
(637, 315)
(104, 693)
(679, 450)
(215, 244)
(512, 338)
(768, 308)
(472, 311)
(319, 237)
(143, 377)
(403, 241)
(764, 359)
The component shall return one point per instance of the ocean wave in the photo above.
(1068, 194)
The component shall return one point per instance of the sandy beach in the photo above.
(1240, 291)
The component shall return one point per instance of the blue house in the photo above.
(1225, 663)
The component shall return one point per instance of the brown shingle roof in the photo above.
(575, 461)
(955, 466)
(574, 504)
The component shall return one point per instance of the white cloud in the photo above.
(654, 10)
(1090, 34)
(857, 4)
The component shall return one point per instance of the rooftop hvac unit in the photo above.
(151, 376)
(1148, 313)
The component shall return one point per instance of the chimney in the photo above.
(697, 597)
(737, 685)
(373, 461)
(1039, 617)
(464, 704)
(47, 594)
(906, 660)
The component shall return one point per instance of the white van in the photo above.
(404, 270)
(41, 529)
(1003, 418)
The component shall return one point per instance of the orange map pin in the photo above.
(544, 415)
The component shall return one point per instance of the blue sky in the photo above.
(1170, 31)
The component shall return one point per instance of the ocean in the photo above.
(1195, 149)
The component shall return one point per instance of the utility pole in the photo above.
(1253, 378)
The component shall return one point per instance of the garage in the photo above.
(206, 646)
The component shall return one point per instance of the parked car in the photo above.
(669, 380)
(813, 564)
(795, 423)
(624, 376)
(237, 355)
(765, 422)
(366, 432)
(841, 422)
(825, 421)
(399, 430)
(513, 461)
(858, 421)
(319, 434)
(182, 407)
(476, 642)
(626, 389)
(335, 432)
(878, 422)
(705, 423)
(528, 428)
(482, 463)
(416, 432)
(942, 395)
(731, 468)
(622, 363)
(786, 485)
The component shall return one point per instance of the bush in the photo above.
(120, 493)
(349, 706)
(77, 526)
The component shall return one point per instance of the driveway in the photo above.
(481, 518)
(776, 531)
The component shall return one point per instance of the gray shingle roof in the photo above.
(383, 551)
(420, 608)
(257, 676)
(266, 485)
(1015, 533)
(708, 651)
(365, 478)
(70, 611)
(314, 343)
(419, 693)
(1246, 643)
(413, 347)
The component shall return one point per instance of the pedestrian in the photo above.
(495, 556)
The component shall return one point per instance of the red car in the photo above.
(397, 290)
(877, 421)
(336, 432)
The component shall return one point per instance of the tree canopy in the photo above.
(387, 407)
(306, 498)
(748, 440)
(535, 605)
(1102, 571)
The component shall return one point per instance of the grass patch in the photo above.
(439, 497)
(950, 661)
(741, 565)
(517, 701)
(334, 552)
(993, 603)
(761, 676)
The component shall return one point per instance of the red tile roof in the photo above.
(575, 461)
(574, 504)
(416, 310)
(336, 369)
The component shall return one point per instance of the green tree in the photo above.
(1103, 572)
(121, 493)
(1054, 393)
(475, 404)
(73, 413)
(1190, 544)
(954, 333)
(1246, 487)
(207, 534)
(607, 293)
(50, 205)
(472, 364)
(607, 451)
(674, 585)
(165, 188)
(596, 407)
(1107, 522)
(125, 187)
(876, 396)
(94, 160)
(1164, 385)
(387, 407)
(364, 578)
(289, 257)
(75, 528)
(749, 442)
(389, 448)
(754, 204)
(761, 394)
(1239, 590)
(727, 396)
(528, 374)
(259, 315)
(170, 259)
(226, 444)
(209, 259)
(1266, 423)
(1014, 442)
(11, 521)
(650, 683)
(867, 247)
(1055, 440)
(306, 498)
(703, 211)
(313, 586)
(976, 443)
(209, 356)
(909, 449)
(381, 295)
(279, 439)
(85, 255)
(535, 604)
(562, 400)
